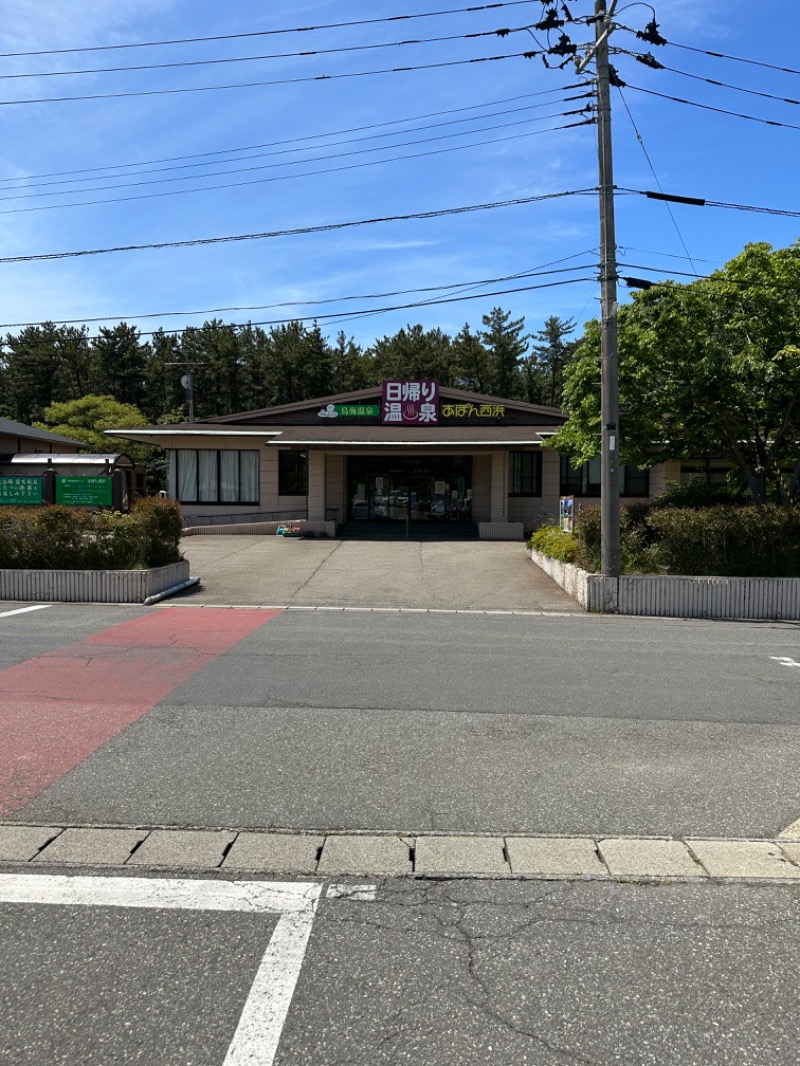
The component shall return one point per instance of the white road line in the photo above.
(24, 610)
(258, 1033)
(159, 893)
(784, 660)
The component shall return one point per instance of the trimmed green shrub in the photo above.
(726, 540)
(555, 543)
(60, 538)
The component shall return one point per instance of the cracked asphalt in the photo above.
(447, 973)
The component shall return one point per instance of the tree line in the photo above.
(247, 367)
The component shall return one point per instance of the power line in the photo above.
(297, 231)
(717, 110)
(700, 202)
(728, 85)
(351, 315)
(640, 139)
(735, 59)
(266, 33)
(258, 84)
(294, 140)
(532, 273)
(289, 177)
(26, 195)
(342, 49)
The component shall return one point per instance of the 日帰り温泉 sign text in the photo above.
(410, 403)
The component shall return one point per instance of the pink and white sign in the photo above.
(410, 403)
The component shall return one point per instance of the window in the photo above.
(524, 473)
(292, 473)
(204, 475)
(585, 480)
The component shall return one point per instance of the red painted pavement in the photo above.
(59, 708)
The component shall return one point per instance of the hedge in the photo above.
(554, 542)
(725, 540)
(60, 538)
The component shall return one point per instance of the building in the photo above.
(403, 452)
(16, 438)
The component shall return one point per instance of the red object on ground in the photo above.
(57, 709)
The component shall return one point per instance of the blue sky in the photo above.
(512, 102)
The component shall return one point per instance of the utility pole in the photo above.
(187, 380)
(609, 379)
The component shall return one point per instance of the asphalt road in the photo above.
(406, 721)
(459, 722)
(447, 973)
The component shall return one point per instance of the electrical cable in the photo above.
(640, 139)
(698, 202)
(530, 273)
(352, 315)
(342, 49)
(707, 107)
(259, 84)
(290, 177)
(294, 140)
(266, 33)
(727, 85)
(299, 230)
(294, 162)
(735, 59)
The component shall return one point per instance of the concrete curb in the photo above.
(421, 856)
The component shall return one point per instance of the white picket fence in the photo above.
(676, 596)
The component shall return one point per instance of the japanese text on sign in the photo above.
(473, 410)
(410, 403)
(20, 491)
(83, 491)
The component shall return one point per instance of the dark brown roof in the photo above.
(373, 394)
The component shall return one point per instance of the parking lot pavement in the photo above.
(472, 575)
(199, 971)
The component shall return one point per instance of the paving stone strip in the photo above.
(424, 855)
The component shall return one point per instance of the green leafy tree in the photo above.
(85, 420)
(704, 369)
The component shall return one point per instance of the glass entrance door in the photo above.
(426, 489)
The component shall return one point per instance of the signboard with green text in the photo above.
(20, 491)
(350, 410)
(83, 491)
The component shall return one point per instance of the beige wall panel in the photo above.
(316, 486)
(499, 487)
(481, 487)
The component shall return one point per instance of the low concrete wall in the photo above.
(675, 596)
(91, 586)
(266, 529)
